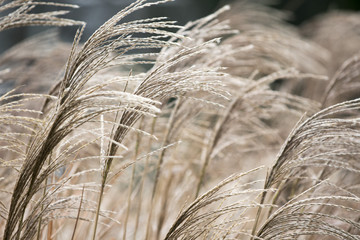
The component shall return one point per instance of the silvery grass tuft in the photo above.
(153, 130)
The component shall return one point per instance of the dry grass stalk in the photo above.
(225, 120)
(343, 85)
(22, 15)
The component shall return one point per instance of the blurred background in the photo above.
(96, 12)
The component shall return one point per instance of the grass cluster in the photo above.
(234, 126)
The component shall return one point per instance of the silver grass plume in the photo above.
(171, 76)
(325, 210)
(310, 174)
(222, 211)
(344, 84)
(314, 142)
(77, 103)
(22, 14)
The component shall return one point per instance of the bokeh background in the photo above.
(96, 12)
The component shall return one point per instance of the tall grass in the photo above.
(214, 130)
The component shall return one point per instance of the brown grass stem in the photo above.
(78, 213)
(136, 153)
(144, 175)
(42, 207)
(166, 142)
(213, 141)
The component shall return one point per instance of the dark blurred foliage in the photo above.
(303, 10)
(95, 12)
